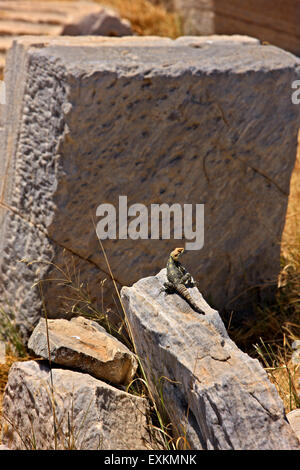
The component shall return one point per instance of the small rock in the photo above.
(84, 345)
(105, 22)
(89, 414)
(294, 420)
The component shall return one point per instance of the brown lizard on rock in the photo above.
(179, 279)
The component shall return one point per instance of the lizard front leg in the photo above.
(168, 288)
(188, 280)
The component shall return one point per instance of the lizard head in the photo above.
(176, 253)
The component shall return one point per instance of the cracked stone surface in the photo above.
(89, 414)
(216, 395)
(189, 121)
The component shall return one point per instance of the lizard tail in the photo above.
(182, 290)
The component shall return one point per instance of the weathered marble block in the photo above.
(190, 121)
(217, 397)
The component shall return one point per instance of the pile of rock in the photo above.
(20, 18)
(216, 396)
(156, 120)
(81, 403)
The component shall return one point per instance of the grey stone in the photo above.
(84, 345)
(89, 414)
(160, 121)
(216, 396)
(294, 420)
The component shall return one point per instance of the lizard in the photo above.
(179, 279)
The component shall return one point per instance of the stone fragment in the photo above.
(217, 396)
(294, 420)
(159, 121)
(82, 344)
(82, 413)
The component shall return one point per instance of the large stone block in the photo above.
(218, 398)
(190, 121)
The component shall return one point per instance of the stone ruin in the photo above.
(188, 121)
(192, 120)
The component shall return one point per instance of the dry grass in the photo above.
(281, 371)
(287, 376)
(270, 335)
(286, 379)
(146, 18)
